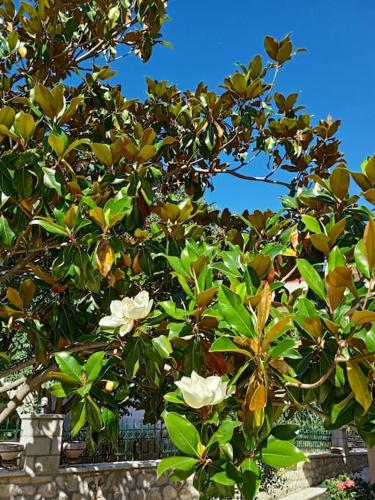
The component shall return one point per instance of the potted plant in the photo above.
(10, 452)
(74, 450)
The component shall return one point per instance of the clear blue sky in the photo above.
(335, 76)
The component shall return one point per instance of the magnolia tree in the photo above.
(121, 288)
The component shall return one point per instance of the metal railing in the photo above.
(10, 430)
(151, 442)
(354, 440)
(314, 441)
(135, 442)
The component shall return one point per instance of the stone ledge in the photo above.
(109, 466)
(336, 455)
(307, 494)
(87, 468)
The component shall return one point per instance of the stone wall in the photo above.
(137, 480)
(112, 481)
(321, 466)
(41, 476)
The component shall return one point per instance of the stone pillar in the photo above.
(338, 441)
(42, 437)
(371, 463)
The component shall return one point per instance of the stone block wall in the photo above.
(320, 466)
(42, 478)
(137, 480)
(112, 481)
(42, 437)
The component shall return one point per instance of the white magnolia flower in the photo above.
(124, 312)
(297, 284)
(198, 391)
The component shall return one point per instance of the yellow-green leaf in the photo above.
(146, 153)
(275, 331)
(72, 108)
(105, 257)
(358, 382)
(103, 153)
(22, 50)
(70, 217)
(258, 399)
(51, 101)
(98, 214)
(7, 115)
(370, 195)
(24, 124)
(57, 144)
(264, 306)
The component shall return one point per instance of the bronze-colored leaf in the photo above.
(261, 265)
(363, 317)
(105, 257)
(321, 242)
(206, 296)
(313, 326)
(14, 297)
(336, 231)
(339, 182)
(264, 306)
(27, 291)
(258, 399)
(369, 242)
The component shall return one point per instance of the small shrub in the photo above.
(346, 487)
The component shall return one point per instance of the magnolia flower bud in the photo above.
(198, 391)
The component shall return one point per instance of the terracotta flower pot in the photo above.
(74, 450)
(10, 452)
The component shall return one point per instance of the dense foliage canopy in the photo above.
(119, 280)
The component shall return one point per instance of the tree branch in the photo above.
(17, 269)
(12, 385)
(258, 179)
(25, 363)
(31, 384)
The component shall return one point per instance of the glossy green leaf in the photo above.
(312, 278)
(285, 432)
(361, 259)
(225, 344)
(182, 433)
(163, 345)
(78, 418)
(69, 365)
(6, 233)
(50, 226)
(251, 479)
(280, 454)
(176, 463)
(50, 180)
(311, 223)
(94, 365)
(234, 312)
(224, 433)
(93, 414)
